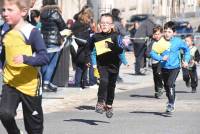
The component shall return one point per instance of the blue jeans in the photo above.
(48, 70)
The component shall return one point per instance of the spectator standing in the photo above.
(144, 31)
(120, 28)
(28, 18)
(81, 29)
(189, 28)
(35, 17)
(52, 23)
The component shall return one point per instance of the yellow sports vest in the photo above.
(161, 46)
(23, 77)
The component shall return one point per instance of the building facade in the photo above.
(168, 8)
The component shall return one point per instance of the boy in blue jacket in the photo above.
(169, 55)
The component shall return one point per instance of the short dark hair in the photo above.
(35, 13)
(157, 28)
(170, 25)
(107, 15)
(189, 36)
(115, 12)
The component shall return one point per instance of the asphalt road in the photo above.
(135, 112)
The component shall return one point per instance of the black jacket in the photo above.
(144, 30)
(82, 31)
(52, 24)
(110, 59)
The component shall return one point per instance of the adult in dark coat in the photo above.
(52, 23)
(81, 29)
(145, 29)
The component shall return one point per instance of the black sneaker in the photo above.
(109, 112)
(194, 90)
(156, 95)
(53, 88)
(119, 79)
(100, 107)
(159, 93)
(187, 83)
(45, 88)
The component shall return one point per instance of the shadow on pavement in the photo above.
(84, 107)
(90, 122)
(179, 92)
(143, 74)
(143, 96)
(163, 114)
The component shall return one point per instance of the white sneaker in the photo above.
(95, 86)
(170, 108)
(21, 132)
(81, 89)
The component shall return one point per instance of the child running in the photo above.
(19, 67)
(190, 74)
(105, 57)
(156, 66)
(169, 56)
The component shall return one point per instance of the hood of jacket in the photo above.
(48, 10)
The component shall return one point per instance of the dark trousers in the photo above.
(169, 78)
(81, 76)
(157, 76)
(32, 111)
(139, 50)
(190, 75)
(106, 91)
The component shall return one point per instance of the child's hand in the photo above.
(193, 62)
(165, 58)
(109, 44)
(18, 59)
(185, 64)
(88, 64)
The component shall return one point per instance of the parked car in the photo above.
(160, 20)
(138, 17)
(183, 27)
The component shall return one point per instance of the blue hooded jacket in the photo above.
(173, 53)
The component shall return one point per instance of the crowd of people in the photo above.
(97, 52)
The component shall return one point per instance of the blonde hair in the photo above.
(85, 14)
(21, 3)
